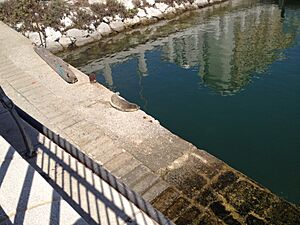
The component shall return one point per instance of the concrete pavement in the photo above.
(25, 196)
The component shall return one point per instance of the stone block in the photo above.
(77, 33)
(135, 175)
(206, 197)
(126, 168)
(129, 22)
(65, 41)
(165, 199)
(96, 35)
(245, 197)
(224, 180)
(36, 38)
(161, 6)
(189, 217)
(117, 26)
(104, 29)
(154, 191)
(80, 41)
(177, 209)
(145, 183)
(141, 13)
(118, 162)
(52, 35)
(54, 46)
(153, 12)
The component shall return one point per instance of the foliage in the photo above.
(33, 15)
(131, 12)
(112, 7)
(83, 19)
(55, 10)
(82, 3)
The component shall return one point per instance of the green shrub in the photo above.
(33, 15)
(112, 7)
(83, 19)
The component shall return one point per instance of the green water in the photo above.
(226, 78)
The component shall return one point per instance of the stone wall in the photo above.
(148, 12)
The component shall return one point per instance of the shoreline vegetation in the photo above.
(63, 24)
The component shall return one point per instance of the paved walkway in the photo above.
(187, 184)
(25, 196)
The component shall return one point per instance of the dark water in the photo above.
(226, 78)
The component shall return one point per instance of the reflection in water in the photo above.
(142, 65)
(107, 73)
(238, 45)
(226, 49)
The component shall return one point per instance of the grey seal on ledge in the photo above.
(121, 104)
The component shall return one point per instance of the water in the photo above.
(226, 78)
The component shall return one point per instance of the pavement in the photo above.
(25, 196)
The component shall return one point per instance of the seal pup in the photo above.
(121, 104)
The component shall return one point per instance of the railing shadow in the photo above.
(78, 186)
(94, 200)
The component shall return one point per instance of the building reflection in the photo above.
(227, 49)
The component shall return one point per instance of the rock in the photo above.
(181, 6)
(104, 29)
(95, 35)
(76, 33)
(141, 13)
(201, 2)
(150, 2)
(92, 27)
(18, 25)
(108, 19)
(194, 5)
(52, 35)
(118, 18)
(117, 26)
(128, 4)
(83, 41)
(54, 46)
(34, 37)
(170, 10)
(67, 22)
(153, 12)
(161, 6)
(65, 41)
(129, 22)
(187, 5)
(175, 5)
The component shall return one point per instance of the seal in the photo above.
(121, 104)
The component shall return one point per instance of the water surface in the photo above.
(226, 78)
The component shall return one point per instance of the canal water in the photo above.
(225, 78)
